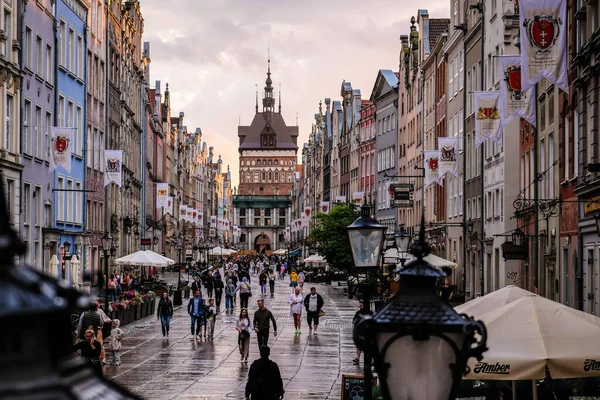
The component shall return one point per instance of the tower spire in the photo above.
(268, 99)
(279, 97)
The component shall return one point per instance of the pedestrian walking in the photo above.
(165, 313)
(229, 291)
(262, 281)
(272, 281)
(301, 279)
(114, 343)
(282, 272)
(296, 301)
(313, 303)
(209, 282)
(211, 317)
(219, 286)
(196, 311)
(112, 289)
(90, 348)
(446, 292)
(196, 285)
(245, 292)
(357, 317)
(293, 280)
(262, 316)
(264, 378)
(244, 327)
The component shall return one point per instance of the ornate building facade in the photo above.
(268, 148)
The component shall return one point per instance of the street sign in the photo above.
(353, 387)
(512, 252)
(146, 242)
(402, 195)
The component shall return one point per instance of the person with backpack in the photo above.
(229, 290)
(245, 292)
(264, 378)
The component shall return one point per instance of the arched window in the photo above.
(264, 162)
(263, 176)
(276, 176)
(275, 162)
(248, 177)
(269, 162)
(270, 176)
(257, 162)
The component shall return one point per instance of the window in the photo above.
(47, 130)
(543, 168)
(26, 205)
(90, 138)
(61, 112)
(461, 70)
(49, 66)
(39, 51)
(63, 43)
(80, 55)
(61, 199)
(26, 143)
(71, 45)
(79, 132)
(27, 48)
(542, 113)
(70, 194)
(9, 115)
(551, 107)
(37, 205)
(79, 203)
(551, 166)
(451, 80)
(38, 146)
(6, 44)
(567, 155)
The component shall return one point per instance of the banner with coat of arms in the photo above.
(113, 166)
(340, 199)
(200, 221)
(213, 221)
(514, 102)
(162, 195)
(432, 168)
(182, 212)
(194, 216)
(448, 148)
(543, 31)
(169, 207)
(324, 207)
(60, 148)
(307, 212)
(190, 214)
(487, 117)
(357, 198)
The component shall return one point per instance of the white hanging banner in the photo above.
(213, 221)
(340, 199)
(513, 101)
(194, 216)
(357, 198)
(432, 168)
(487, 119)
(189, 214)
(169, 207)
(448, 148)
(60, 149)
(162, 195)
(543, 33)
(113, 166)
(182, 212)
(307, 212)
(324, 207)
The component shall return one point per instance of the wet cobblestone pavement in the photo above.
(179, 368)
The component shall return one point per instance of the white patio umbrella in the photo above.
(217, 251)
(530, 334)
(315, 258)
(492, 301)
(53, 266)
(146, 258)
(432, 259)
(74, 270)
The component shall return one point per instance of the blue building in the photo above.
(70, 96)
(37, 104)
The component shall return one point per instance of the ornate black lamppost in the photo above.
(402, 239)
(107, 249)
(419, 344)
(177, 298)
(366, 242)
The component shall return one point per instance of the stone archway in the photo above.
(262, 243)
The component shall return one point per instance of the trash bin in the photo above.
(177, 299)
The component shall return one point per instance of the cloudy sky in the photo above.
(212, 53)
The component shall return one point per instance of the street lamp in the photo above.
(107, 246)
(402, 242)
(517, 237)
(177, 299)
(419, 344)
(366, 241)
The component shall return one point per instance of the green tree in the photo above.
(330, 236)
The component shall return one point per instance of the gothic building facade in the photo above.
(267, 148)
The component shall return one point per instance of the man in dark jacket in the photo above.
(264, 378)
(219, 286)
(313, 304)
(89, 318)
(196, 285)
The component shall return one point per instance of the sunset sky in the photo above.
(212, 53)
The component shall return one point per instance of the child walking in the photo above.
(114, 343)
(211, 317)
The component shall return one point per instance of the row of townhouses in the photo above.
(75, 85)
(539, 180)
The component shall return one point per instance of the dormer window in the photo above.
(267, 137)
